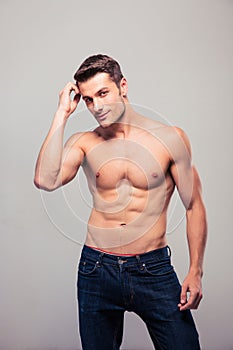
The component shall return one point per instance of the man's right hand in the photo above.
(66, 104)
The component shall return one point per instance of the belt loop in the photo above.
(99, 261)
(138, 259)
(169, 251)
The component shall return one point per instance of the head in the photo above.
(103, 88)
(99, 64)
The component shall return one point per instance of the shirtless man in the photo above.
(132, 165)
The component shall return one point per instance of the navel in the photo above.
(97, 174)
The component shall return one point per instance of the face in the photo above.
(104, 99)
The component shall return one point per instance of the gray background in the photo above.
(177, 57)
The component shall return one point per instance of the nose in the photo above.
(98, 107)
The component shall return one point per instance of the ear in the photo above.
(123, 87)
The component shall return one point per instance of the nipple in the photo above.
(97, 174)
(154, 174)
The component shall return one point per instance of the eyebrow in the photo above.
(103, 88)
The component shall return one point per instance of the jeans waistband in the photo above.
(99, 256)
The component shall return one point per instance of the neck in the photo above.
(121, 128)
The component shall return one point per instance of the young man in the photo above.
(132, 165)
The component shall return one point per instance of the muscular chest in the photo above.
(110, 163)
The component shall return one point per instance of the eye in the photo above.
(88, 100)
(103, 93)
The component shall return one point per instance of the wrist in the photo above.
(196, 271)
(61, 115)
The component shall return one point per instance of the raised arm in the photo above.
(189, 187)
(56, 165)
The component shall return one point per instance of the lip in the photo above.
(102, 116)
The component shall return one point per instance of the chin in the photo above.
(105, 125)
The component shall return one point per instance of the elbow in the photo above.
(42, 185)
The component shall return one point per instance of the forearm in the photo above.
(50, 156)
(197, 235)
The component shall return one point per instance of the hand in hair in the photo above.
(68, 104)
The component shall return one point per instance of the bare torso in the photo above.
(131, 184)
(132, 165)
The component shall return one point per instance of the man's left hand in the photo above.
(191, 293)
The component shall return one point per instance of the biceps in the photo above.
(71, 162)
(183, 176)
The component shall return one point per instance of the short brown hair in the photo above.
(99, 64)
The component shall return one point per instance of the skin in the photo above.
(132, 165)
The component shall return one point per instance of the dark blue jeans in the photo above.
(146, 284)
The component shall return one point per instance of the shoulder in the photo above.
(80, 139)
(181, 138)
(179, 132)
(149, 124)
(179, 144)
(175, 141)
(83, 141)
(173, 135)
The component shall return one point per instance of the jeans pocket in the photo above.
(87, 267)
(159, 268)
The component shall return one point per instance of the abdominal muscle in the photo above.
(131, 189)
(136, 225)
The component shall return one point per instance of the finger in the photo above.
(197, 301)
(186, 306)
(76, 89)
(192, 303)
(183, 295)
(77, 98)
(71, 87)
(75, 101)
